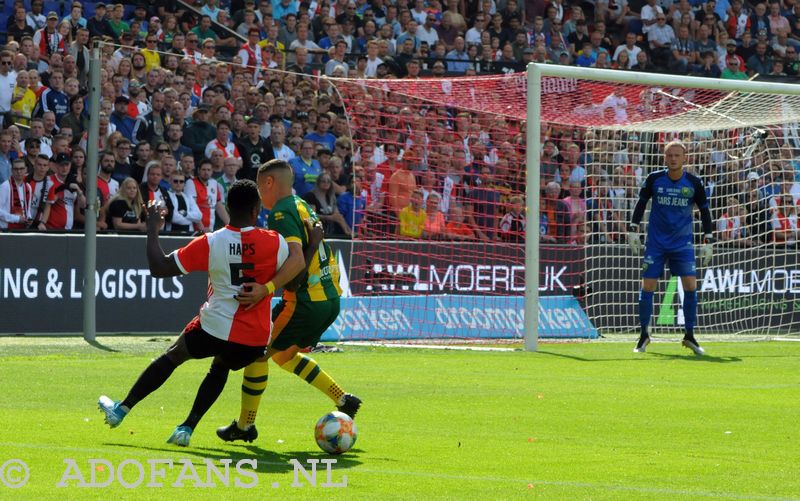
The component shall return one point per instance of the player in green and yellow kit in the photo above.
(309, 304)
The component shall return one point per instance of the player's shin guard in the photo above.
(689, 311)
(207, 394)
(306, 368)
(254, 382)
(150, 380)
(645, 310)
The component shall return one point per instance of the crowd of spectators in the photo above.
(192, 101)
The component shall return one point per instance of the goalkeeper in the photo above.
(309, 305)
(669, 238)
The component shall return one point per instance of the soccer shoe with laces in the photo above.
(641, 346)
(113, 411)
(233, 432)
(350, 406)
(693, 345)
(180, 436)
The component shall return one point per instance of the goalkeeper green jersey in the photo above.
(287, 218)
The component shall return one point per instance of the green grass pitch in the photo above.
(573, 421)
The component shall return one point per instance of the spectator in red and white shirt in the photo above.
(223, 142)
(208, 195)
(62, 198)
(15, 198)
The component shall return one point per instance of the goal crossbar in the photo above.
(535, 73)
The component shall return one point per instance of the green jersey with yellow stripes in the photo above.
(287, 218)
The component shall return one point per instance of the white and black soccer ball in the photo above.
(335, 432)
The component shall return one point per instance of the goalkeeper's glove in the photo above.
(633, 239)
(707, 250)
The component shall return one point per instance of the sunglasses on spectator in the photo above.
(178, 181)
(6, 62)
(152, 41)
(162, 150)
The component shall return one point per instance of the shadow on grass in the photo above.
(97, 344)
(694, 358)
(688, 357)
(279, 462)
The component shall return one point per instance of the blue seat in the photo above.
(53, 6)
(89, 9)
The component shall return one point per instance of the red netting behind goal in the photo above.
(440, 166)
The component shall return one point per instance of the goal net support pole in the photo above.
(536, 115)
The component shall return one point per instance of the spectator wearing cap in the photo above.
(125, 51)
(98, 25)
(121, 119)
(63, 197)
(47, 40)
(200, 132)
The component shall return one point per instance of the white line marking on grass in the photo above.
(426, 346)
(792, 339)
(479, 478)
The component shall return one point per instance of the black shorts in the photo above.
(201, 344)
(301, 323)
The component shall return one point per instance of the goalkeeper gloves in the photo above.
(633, 239)
(707, 250)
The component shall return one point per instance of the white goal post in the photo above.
(708, 110)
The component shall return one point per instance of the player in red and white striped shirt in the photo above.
(235, 335)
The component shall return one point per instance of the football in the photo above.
(335, 432)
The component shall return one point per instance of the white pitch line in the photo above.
(792, 339)
(478, 478)
(426, 346)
